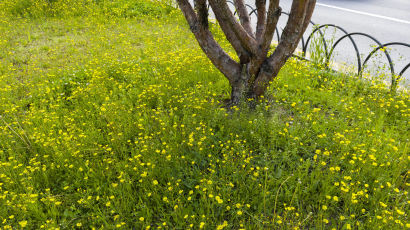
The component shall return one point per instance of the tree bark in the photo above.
(230, 35)
(239, 87)
(244, 16)
(261, 23)
(221, 8)
(299, 18)
(228, 67)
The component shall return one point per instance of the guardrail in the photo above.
(361, 66)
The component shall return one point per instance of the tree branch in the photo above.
(298, 21)
(222, 11)
(261, 23)
(308, 16)
(265, 38)
(274, 13)
(230, 35)
(211, 48)
(299, 17)
(202, 11)
(243, 16)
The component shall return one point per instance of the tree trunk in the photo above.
(240, 86)
(251, 76)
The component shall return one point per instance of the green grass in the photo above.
(113, 120)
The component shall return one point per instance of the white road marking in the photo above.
(364, 13)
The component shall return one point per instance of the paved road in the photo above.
(386, 20)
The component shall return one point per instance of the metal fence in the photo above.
(329, 48)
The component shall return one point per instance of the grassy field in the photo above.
(110, 117)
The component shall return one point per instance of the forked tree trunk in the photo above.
(249, 77)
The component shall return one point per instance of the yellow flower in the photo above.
(399, 212)
(142, 218)
(222, 226)
(23, 223)
(239, 213)
(201, 225)
(219, 200)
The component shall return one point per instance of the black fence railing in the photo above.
(329, 48)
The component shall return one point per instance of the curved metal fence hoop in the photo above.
(246, 5)
(318, 29)
(231, 2)
(249, 6)
(404, 70)
(254, 11)
(322, 35)
(304, 45)
(349, 35)
(329, 54)
(277, 34)
(384, 46)
(372, 38)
